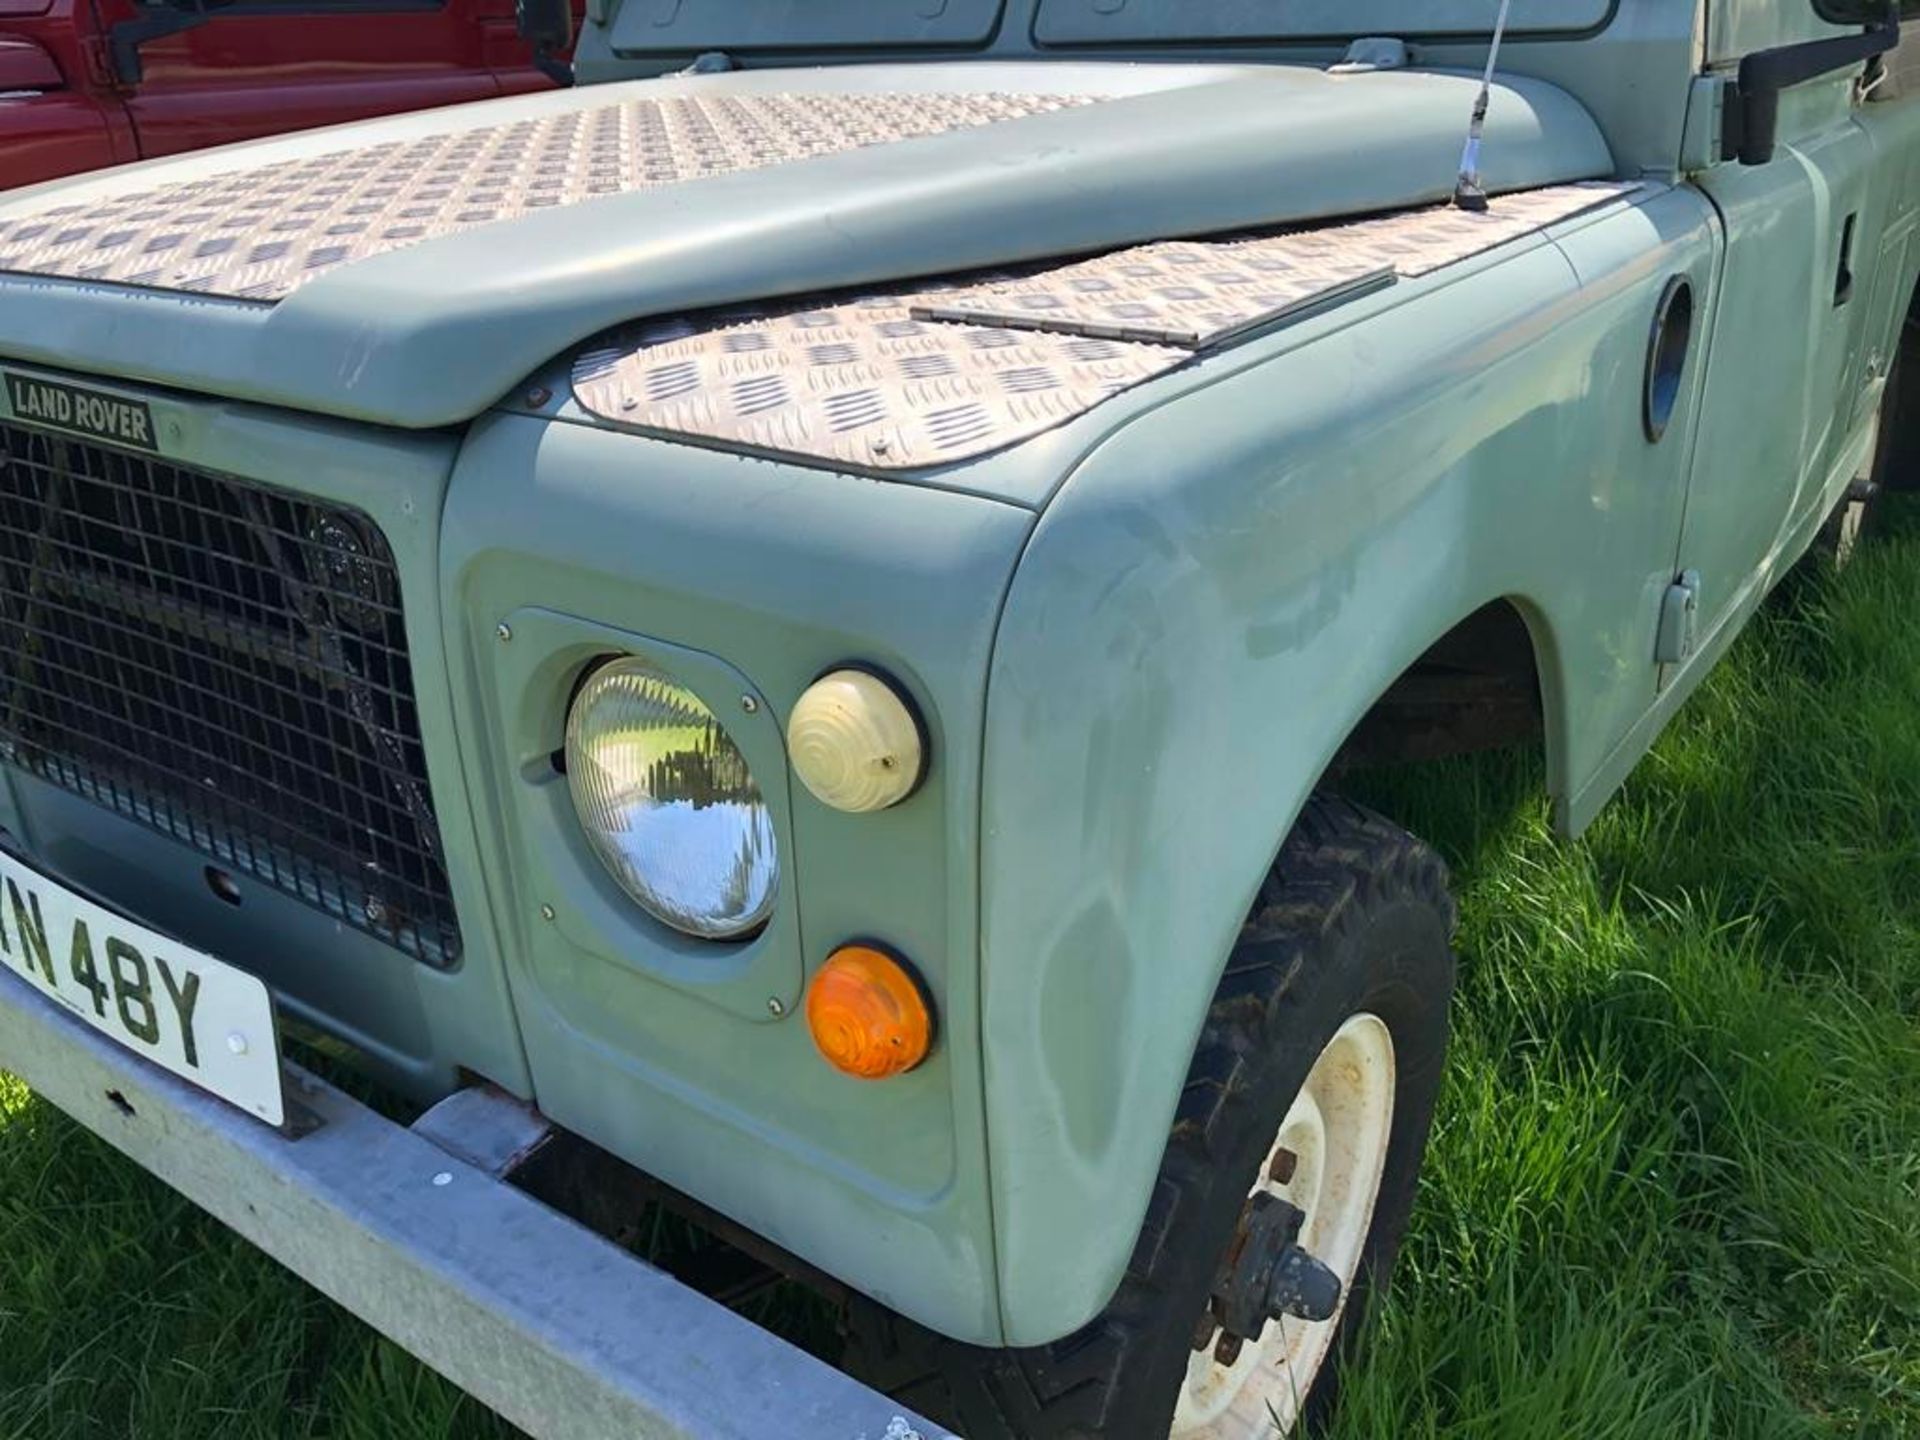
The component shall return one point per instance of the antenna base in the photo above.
(1468, 195)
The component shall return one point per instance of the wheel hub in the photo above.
(1271, 1317)
(1268, 1275)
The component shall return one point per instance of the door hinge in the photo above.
(1703, 142)
(1679, 619)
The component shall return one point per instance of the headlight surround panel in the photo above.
(661, 1048)
(749, 965)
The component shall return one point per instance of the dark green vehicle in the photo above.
(792, 616)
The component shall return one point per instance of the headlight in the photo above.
(668, 803)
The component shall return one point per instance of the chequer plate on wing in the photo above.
(859, 382)
(260, 233)
(942, 373)
(1201, 292)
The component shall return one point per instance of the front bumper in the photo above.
(560, 1331)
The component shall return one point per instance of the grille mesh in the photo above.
(226, 664)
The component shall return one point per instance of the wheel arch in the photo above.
(1489, 680)
(1526, 654)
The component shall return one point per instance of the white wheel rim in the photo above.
(1338, 1130)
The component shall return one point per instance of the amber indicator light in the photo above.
(868, 1015)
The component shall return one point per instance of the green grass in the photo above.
(126, 1312)
(1675, 1184)
(1674, 1190)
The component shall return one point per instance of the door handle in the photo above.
(1843, 277)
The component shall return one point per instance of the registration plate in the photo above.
(187, 1012)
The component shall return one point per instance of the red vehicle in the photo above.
(87, 83)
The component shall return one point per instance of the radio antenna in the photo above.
(1468, 192)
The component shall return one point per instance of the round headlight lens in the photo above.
(668, 803)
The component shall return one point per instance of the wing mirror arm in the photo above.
(547, 27)
(125, 39)
(1753, 109)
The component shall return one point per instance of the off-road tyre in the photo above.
(1354, 917)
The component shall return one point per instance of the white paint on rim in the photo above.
(1338, 1130)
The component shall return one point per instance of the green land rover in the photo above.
(790, 617)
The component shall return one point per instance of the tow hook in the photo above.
(1267, 1276)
